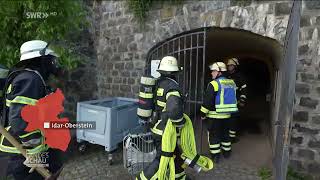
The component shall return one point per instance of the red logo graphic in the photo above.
(47, 110)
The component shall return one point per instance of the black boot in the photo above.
(215, 158)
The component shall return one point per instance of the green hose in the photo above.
(168, 144)
(188, 146)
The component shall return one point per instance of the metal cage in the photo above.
(138, 152)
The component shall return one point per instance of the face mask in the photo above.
(53, 66)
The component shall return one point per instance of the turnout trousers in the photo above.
(150, 172)
(218, 135)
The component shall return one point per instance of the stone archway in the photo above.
(123, 45)
(219, 44)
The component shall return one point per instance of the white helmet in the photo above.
(168, 64)
(218, 66)
(233, 61)
(33, 49)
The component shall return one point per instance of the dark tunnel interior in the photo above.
(255, 116)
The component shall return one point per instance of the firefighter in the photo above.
(172, 129)
(216, 110)
(168, 104)
(3, 76)
(234, 73)
(25, 85)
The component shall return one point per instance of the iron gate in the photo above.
(190, 50)
(287, 91)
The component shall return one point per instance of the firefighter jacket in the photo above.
(23, 87)
(2, 83)
(241, 86)
(174, 125)
(220, 99)
(169, 104)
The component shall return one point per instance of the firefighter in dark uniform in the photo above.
(3, 76)
(25, 86)
(169, 104)
(218, 105)
(234, 73)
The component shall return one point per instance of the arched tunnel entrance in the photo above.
(259, 58)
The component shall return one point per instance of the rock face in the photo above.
(121, 47)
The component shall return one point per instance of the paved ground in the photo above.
(93, 164)
(249, 155)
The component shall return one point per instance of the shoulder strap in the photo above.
(172, 80)
(36, 72)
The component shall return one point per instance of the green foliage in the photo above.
(58, 21)
(140, 8)
(293, 175)
(240, 2)
(265, 174)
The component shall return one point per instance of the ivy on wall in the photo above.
(59, 22)
(240, 2)
(140, 8)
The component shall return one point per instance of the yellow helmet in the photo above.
(233, 61)
(218, 66)
(168, 64)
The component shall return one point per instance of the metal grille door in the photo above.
(190, 50)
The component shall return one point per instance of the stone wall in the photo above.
(80, 84)
(123, 45)
(121, 48)
(305, 141)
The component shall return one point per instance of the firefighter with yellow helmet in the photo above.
(172, 130)
(216, 110)
(234, 73)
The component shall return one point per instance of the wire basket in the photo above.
(138, 152)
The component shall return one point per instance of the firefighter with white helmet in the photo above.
(218, 105)
(168, 104)
(25, 85)
(172, 129)
(235, 74)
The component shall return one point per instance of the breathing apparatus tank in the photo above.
(146, 98)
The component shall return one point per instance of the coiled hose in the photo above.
(168, 145)
(188, 147)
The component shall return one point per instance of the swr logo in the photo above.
(37, 15)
